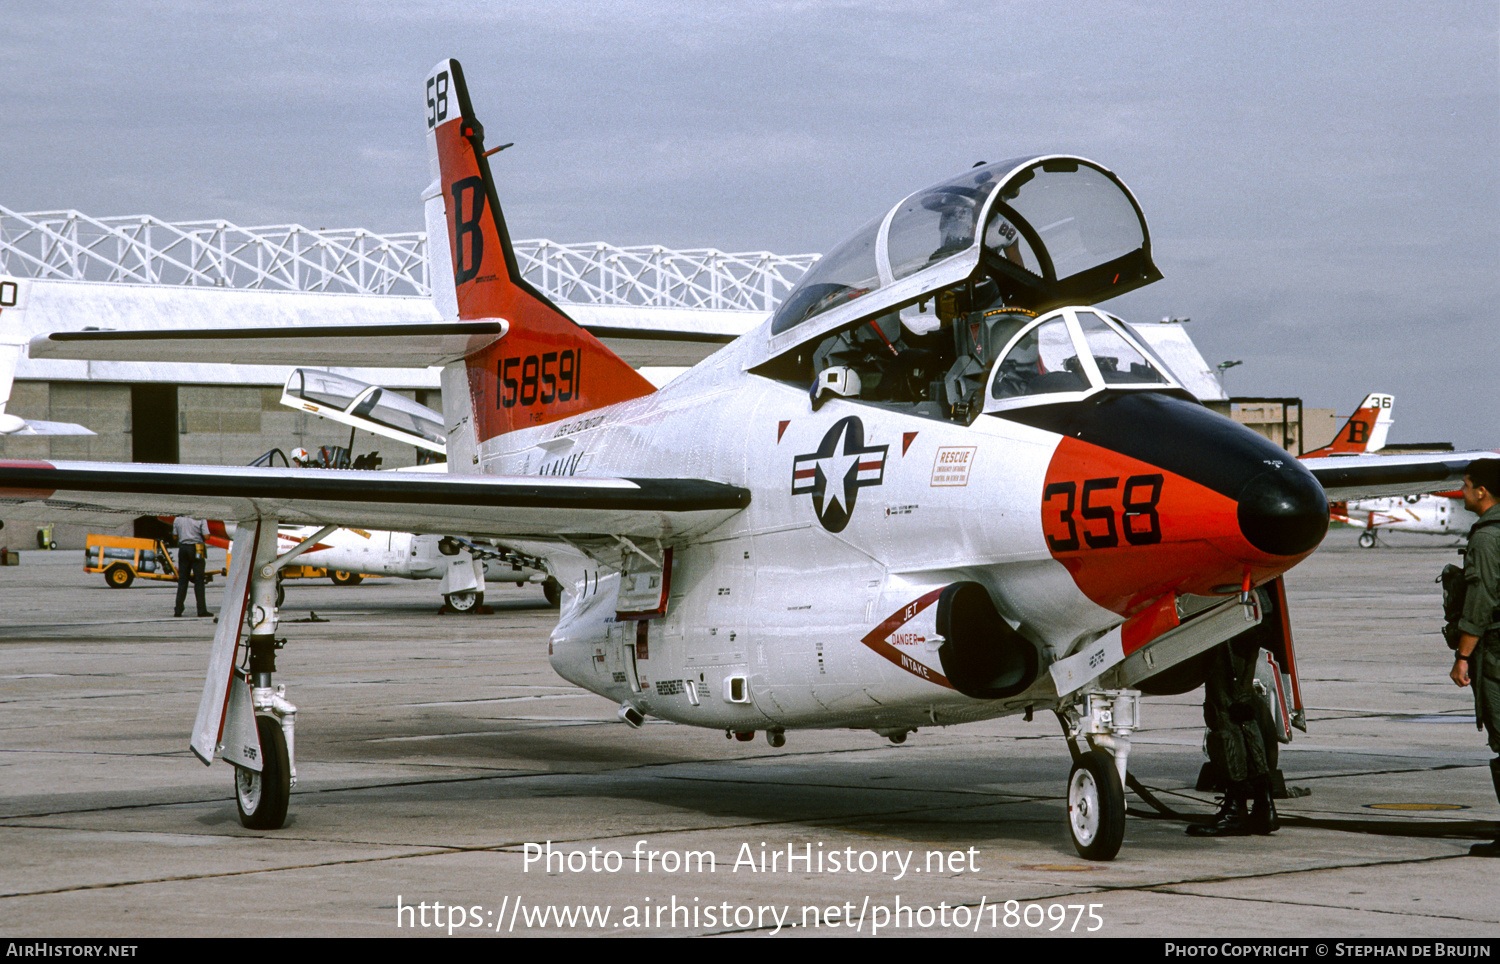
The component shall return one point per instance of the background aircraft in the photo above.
(1438, 514)
(462, 565)
(10, 356)
(1364, 431)
(935, 486)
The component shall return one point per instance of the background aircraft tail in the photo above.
(10, 357)
(546, 367)
(1364, 432)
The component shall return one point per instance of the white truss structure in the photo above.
(72, 246)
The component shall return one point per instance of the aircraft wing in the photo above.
(1371, 476)
(516, 506)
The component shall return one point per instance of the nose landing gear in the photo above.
(1096, 784)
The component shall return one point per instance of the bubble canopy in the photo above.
(364, 406)
(1048, 230)
(1069, 354)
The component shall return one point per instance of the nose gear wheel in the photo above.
(1096, 806)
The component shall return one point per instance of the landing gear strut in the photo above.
(244, 717)
(262, 798)
(1096, 785)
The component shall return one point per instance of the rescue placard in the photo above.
(952, 464)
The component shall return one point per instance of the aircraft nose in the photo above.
(1283, 512)
(1270, 504)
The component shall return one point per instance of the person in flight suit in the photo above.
(1239, 744)
(1478, 652)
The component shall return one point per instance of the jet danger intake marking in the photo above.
(835, 473)
(908, 638)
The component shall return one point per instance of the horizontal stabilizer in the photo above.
(11, 425)
(352, 346)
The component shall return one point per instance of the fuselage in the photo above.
(1437, 515)
(815, 606)
(376, 552)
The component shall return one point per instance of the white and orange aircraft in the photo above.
(1437, 514)
(1364, 431)
(1433, 514)
(934, 486)
(463, 567)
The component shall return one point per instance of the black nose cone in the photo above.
(1283, 511)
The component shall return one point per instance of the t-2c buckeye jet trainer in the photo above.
(936, 485)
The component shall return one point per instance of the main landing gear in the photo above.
(244, 717)
(1367, 539)
(262, 797)
(1096, 785)
(464, 601)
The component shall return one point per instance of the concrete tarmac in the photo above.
(432, 750)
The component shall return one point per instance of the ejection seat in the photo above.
(978, 339)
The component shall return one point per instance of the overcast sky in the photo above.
(1322, 180)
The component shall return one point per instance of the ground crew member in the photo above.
(192, 553)
(1478, 662)
(1238, 744)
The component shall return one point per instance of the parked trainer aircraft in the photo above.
(462, 565)
(935, 486)
(1440, 514)
(1364, 431)
(1437, 514)
(10, 357)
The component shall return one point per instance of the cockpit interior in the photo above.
(974, 296)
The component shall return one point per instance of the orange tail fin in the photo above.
(545, 367)
(1365, 430)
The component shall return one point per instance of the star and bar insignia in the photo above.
(834, 474)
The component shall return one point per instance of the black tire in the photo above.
(346, 578)
(552, 589)
(119, 576)
(1367, 540)
(1096, 806)
(262, 798)
(466, 601)
(280, 594)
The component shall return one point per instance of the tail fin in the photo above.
(545, 367)
(11, 344)
(1364, 432)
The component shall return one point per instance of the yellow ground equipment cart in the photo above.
(123, 558)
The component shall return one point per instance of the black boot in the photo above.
(1490, 849)
(1232, 820)
(1263, 818)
